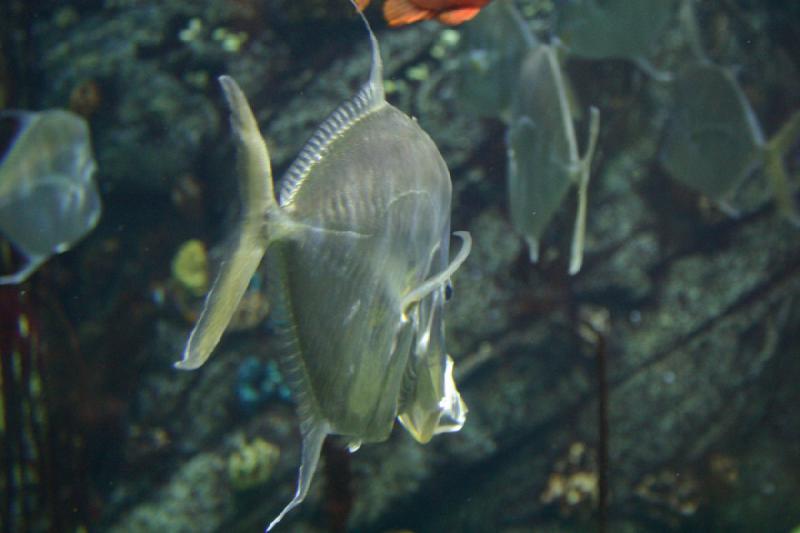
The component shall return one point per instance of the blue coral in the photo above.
(259, 382)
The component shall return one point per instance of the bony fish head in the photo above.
(434, 405)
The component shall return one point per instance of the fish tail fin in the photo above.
(402, 12)
(312, 446)
(250, 240)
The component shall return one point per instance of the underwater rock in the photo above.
(48, 197)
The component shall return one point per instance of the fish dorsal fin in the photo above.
(367, 99)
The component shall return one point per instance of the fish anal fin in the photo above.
(454, 17)
(402, 12)
(312, 446)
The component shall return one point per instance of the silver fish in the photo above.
(543, 160)
(714, 140)
(358, 265)
(48, 198)
(625, 29)
(492, 47)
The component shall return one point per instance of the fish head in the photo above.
(431, 403)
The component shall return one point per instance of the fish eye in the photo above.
(448, 291)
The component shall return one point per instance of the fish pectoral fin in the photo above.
(224, 297)
(454, 17)
(431, 284)
(312, 446)
(402, 12)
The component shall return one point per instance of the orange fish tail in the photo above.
(361, 5)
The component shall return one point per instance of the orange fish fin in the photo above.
(454, 17)
(361, 5)
(401, 12)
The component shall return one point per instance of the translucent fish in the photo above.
(624, 29)
(492, 48)
(714, 140)
(543, 160)
(358, 258)
(48, 199)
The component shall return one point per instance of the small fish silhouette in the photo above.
(543, 160)
(450, 12)
(358, 262)
(48, 198)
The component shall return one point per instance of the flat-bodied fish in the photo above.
(543, 160)
(714, 139)
(358, 265)
(628, 29)
(48, 197)
(492, 47)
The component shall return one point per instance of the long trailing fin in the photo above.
(250, 239)
(369, 97)
(312, 446)
(431, 284)
(775, 151)
(579, 231)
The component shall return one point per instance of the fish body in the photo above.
(450, 12)
(48, 197)
(713, 140)
(543, 159)
(492, 48)
(357, 252)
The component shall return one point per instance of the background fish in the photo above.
(543, 160)
(358, 262)
(48, 198)
(451, 12)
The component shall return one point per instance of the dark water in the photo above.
(654, 390)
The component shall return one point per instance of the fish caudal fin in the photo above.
(454, 17)
(402, 12)
(312, 446)
(250, 240)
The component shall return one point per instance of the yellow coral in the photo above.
(190, 267)
(252, 464)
